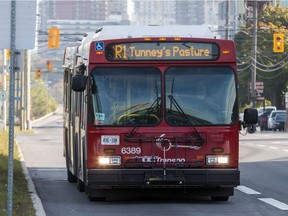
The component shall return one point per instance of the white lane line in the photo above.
(286, 150)
(246, 190)
(261, 145)
(275, 203)
(271, 147)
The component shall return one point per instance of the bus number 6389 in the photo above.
(131, 150)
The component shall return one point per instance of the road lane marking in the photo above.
(271, 147)
(261, 145)
(286, 150)
(275, 203)
(246, 190)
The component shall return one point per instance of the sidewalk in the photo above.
(37, 203)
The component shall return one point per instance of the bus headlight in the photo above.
(217, 159)
(109, 160)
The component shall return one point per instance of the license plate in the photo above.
(110, 140)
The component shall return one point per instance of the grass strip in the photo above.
(22, 203)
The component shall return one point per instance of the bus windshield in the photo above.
(200, 96)
(131, 96)
(125, 96)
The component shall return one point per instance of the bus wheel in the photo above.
(70, 177)
(80, 185)
(220, 198)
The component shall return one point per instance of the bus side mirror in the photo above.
(79, 82)
(250, 119)
(250, 116)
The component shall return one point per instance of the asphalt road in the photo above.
(263, 190)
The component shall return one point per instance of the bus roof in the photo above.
(133, 31)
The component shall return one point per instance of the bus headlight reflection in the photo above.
(217, 159)
(109, 160)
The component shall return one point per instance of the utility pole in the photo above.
(227, 19)
(27, 72)
(254, 56)
(5, 88)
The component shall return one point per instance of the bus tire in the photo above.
(220, 198)
(70, 177)
(80, 185)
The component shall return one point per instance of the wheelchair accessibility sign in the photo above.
(99, 46)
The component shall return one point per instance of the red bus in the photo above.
(153, 108)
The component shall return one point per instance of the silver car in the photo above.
(271, 116)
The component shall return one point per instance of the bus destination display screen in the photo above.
(181, 50)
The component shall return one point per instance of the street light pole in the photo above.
(227, 19)
(254, 56)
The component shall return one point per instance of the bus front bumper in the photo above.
(142, 178)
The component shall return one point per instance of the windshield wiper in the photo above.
(183, 114)
(179, 109)
(155, 104)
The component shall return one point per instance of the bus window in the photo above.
(125, 96)
(200, 96)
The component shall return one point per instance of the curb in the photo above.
(43, 117)
(37, 203)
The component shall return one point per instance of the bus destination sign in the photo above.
(162, 51)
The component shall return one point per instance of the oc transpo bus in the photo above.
(153, 108)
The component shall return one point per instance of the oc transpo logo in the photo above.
(163, 143)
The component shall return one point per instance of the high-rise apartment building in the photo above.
(190, 12)
(91, 10)
(182, 12)
(151, 12)
(117, 8)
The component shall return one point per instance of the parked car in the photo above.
(278, 122)
(263, 121)
(268, 109)
(272, 115)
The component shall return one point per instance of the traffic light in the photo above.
(8, 53)
(49, 66)
(38, 72)
(53, 37)
(278, 42)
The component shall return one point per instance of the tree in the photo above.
(41, 101)
(272, 68)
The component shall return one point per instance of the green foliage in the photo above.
(271, 68)
(41, 101)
